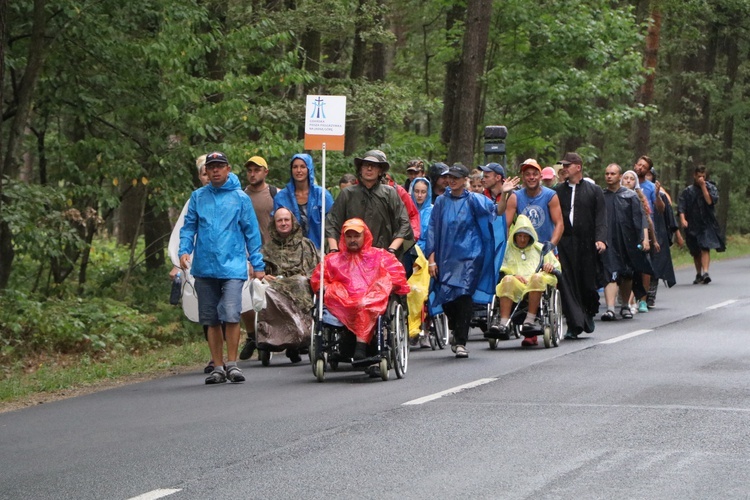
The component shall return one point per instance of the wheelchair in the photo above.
(550, 312)
(331, 343)
(436, 326)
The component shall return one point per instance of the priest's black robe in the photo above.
(582, 269)
(665, 226)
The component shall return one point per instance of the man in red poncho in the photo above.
(358, 282)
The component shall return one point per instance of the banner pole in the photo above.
(322, 230)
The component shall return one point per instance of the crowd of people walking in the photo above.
(448, 238)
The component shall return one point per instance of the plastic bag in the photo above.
(189, 298)
(254, 295)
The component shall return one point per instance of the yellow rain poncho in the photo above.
(419, 283)
(524, 262)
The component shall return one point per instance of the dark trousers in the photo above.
(459, 312)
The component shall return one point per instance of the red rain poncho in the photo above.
(358, 284)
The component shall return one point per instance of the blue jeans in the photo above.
(219, 300)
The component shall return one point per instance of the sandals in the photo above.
(625, 313)
(610, 316)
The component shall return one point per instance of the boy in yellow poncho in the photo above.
(520, 264)
(419, 284)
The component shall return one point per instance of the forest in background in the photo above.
(105, 104)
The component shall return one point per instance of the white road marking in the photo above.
(720, 304)
(447, 392)
(153, 495)
(626, 336)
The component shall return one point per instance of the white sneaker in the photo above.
(461, 352)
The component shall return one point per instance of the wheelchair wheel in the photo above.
(265, 357)
(320, 370)
(493, 343)
(440, 330)
(556, 317)
(316, 340)
(384, 375)
(397, 340)
(548, 337)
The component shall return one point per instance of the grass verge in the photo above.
(737, 246)
(51, 378)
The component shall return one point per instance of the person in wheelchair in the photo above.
(358, 282)
(290, 258)
(522, 278)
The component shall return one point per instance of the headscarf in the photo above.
(637, 182)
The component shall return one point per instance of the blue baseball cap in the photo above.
(493, 167)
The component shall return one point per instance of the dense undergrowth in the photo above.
(118, 314)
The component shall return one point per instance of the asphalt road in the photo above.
(654, 407)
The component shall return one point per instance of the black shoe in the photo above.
(501, 332)
(504, 333)
(217, 376)
(494, 328)
(209, 367)
(235, 375)
(706, 279)
(588, 324)
(293, 355)
(248, 349)
(610, 315)
(360, 352)
(532, 326)
(698, 279)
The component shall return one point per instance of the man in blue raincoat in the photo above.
(220, 230)
(304, 198)
(460, 249)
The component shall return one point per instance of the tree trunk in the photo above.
(215, 57)
(642, 126)
(156, 232)
(704, 61)
(452, 72)
(476, 35)
(26, 88)
(359, 62)
(90, 228)
(309, 61)
(375, 131)
(732, 53)
(7, 253)
(129, 214)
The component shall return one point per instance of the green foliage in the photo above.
(95, 327)
(556, 77)
(42, 220)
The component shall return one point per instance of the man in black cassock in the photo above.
(665, 227)
(702, 232)
(627, 242)
(581, 246)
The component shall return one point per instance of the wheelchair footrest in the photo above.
(362, 363)
(531, 332)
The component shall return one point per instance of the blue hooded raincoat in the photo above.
(425, 210)
(221, 230)
(287, 199)
(462, 237)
